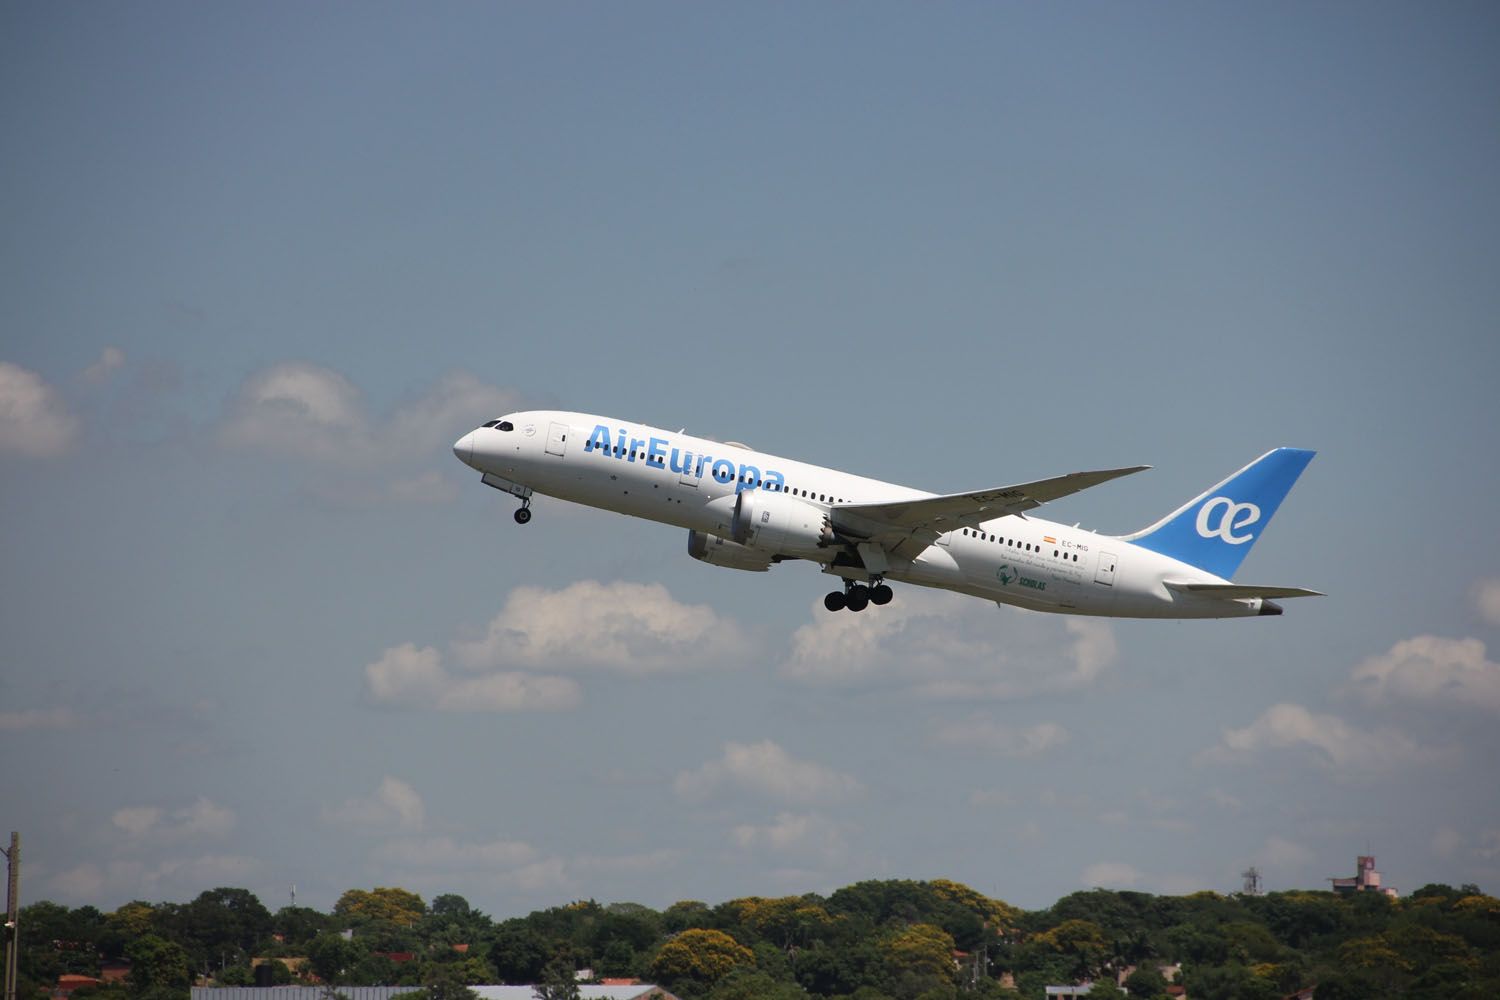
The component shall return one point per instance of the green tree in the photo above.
(235, 975)
(920, 958)
(1145, 982)
(158, 968)
(1081, 943)
(684, 915)
(396, 906)
(331, 957)
(281, 973)
(131, 921)
(300, 924)
(559, 980)
(519, 953)
(748, 984)
(220, 926)
(704, 956)
(443, 982)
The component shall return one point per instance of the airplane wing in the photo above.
(924, 518)
(1240, 591)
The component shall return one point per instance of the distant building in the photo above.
(67, 983)
(114, 970)
(1366, 879)
(1068, 992)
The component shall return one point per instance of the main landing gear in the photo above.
(857, 596)
(523, 514)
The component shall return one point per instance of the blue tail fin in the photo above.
(1214, 531)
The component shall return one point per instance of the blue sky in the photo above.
(262, 265)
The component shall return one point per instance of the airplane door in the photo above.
(686, 477)
(1105, 574)
(557, 440)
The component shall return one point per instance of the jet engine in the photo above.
(778, 524)
(718, 551)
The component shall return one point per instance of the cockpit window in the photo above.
(491, 423)
(505, 425)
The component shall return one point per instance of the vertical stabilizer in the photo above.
(1214, 530)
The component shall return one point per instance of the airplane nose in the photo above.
(464, 448)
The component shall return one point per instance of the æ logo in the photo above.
(1232, 516)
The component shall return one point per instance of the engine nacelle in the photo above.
(778, 524)
(718, 551)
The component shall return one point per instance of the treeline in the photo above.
(877, 940)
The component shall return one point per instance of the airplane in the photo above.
(748, 510)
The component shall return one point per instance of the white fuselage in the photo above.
(693, 483)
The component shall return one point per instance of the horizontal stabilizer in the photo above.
(1240, 591)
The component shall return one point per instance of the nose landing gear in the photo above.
(858, 596)
(523, 514)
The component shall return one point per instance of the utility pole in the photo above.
(12, 914)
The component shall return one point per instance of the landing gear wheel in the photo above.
(523, 515)
(858, 592)
(834, 601)
(857, 601)
(881, 594)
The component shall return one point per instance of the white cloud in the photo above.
(992, 797)
(303, 410)
(1429, 668)
(1489, 844)
(767, 769)
(459, 402)
(1487, 600)
(307, 411)
(1283, 854)
(1446, 841)
(447, 853)
(1340, 745)
(629, 628)
(408, 677)
(1110, 875)
(394, 805)
(806, 834)
(1225, 801)
(136, 821)
(1011, 741)
(436, 864)
(34, 420)
(949, 647)
(172, 878)
(36, 719)
(202, 818)
(111, 360)
(632, 628)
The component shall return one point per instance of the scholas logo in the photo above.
(660, 453)
(1007, 574)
